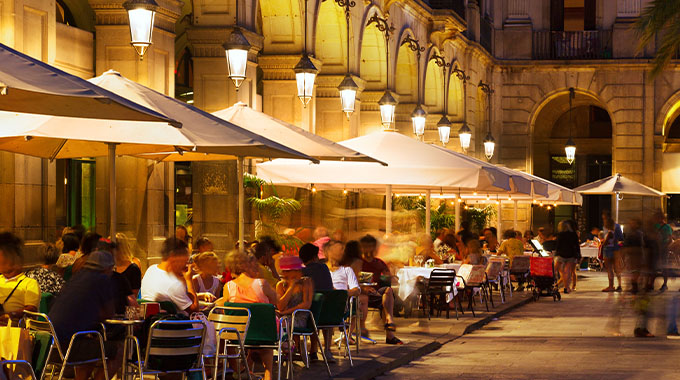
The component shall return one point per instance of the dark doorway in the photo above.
(597, 167)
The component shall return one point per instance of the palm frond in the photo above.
(660, 17)
(253, 182)
(274, 207)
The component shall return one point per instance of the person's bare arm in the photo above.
(194, 307)
(269, 292)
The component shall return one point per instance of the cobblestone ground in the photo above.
(576, 338)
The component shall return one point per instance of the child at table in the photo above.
(206, 281)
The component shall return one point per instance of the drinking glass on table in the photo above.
(419, 260)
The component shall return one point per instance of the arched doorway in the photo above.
(591, 129)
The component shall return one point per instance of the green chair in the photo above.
(333, 314)
(46, 300)
(263, 331)
(310, 330)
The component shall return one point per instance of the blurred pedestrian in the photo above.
(611, 244)
(568, 251)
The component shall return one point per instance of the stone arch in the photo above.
(455, 94)
(433, 95)
(282, 26)
(372, 66)
(330, 38)
(668, 115)
(405, 69)
(82, 15)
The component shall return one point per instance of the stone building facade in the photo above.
(530, 52)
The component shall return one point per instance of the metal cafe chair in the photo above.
(26, 366)
(231, 325)
(173, 346)
(56, 358)
(310, 330)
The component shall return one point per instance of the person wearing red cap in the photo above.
(294, 291)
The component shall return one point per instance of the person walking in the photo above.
(611, 244)
(568, 252)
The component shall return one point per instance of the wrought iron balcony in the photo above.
(595, 44)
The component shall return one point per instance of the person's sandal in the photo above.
(393, 340)
(390, 327)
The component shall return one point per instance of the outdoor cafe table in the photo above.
(409, 275)
(129, 337)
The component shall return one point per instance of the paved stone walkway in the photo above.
(571, 339)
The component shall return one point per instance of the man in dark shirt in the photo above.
(86, 300)
(314, 269)
(377, 296)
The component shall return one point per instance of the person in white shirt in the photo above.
(171, 280)
(343, 277)
(441, 235)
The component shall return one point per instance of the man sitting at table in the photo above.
(86, 301)
(377, 296)
(171, 280)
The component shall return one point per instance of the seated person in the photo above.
(92, 284)
(246, 287)
(264, 252)
(426, 249)
(321, 279)
(206, 283)
(87, 246)
(127, 264)
(352, 257)
(69, 250)
(48, 279)
(511, 245)
(294, 292)
(473, 253)
(314, 269)
(377, 296)
(343, 279)
(171, 280)
(17, 292)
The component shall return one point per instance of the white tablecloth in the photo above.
(408, 275)
(589, 252)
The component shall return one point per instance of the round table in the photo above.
(129, 338)
(408, 275)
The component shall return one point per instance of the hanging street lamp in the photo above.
(489, 141)
(141, 14)
(236, 49)
(570, 146)
(418, 117)
(444, 128)
(347, 88)
(305, 71)
(387, 102)
(465, 135)
(348, 95)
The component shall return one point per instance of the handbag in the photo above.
(210, 340)
(15, 344)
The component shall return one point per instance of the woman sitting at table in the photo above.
(206, 282)
(125, 263)
(246, 287)
(352, 257)
(294, 291)
(425, 249)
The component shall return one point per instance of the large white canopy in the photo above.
(411, 166)
(28, 85)
(618, 184)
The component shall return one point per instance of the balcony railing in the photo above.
(457, 6)
(595, 44)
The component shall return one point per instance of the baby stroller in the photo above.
(542, 278)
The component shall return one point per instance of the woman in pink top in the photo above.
(247, 288)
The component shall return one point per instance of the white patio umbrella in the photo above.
(412, 166)
(277, 130)
(28, 85)
(618, 186)
(62, 137)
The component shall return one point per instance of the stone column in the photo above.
(517, 12)
(472, 17)
(623, 34)
(627, 9)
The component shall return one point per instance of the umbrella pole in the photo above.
(428, 216)
(499, 232)
(515, 216)
(241, 205)
(616, 195)
(388, 209)
(112, 190)
(457, 222)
